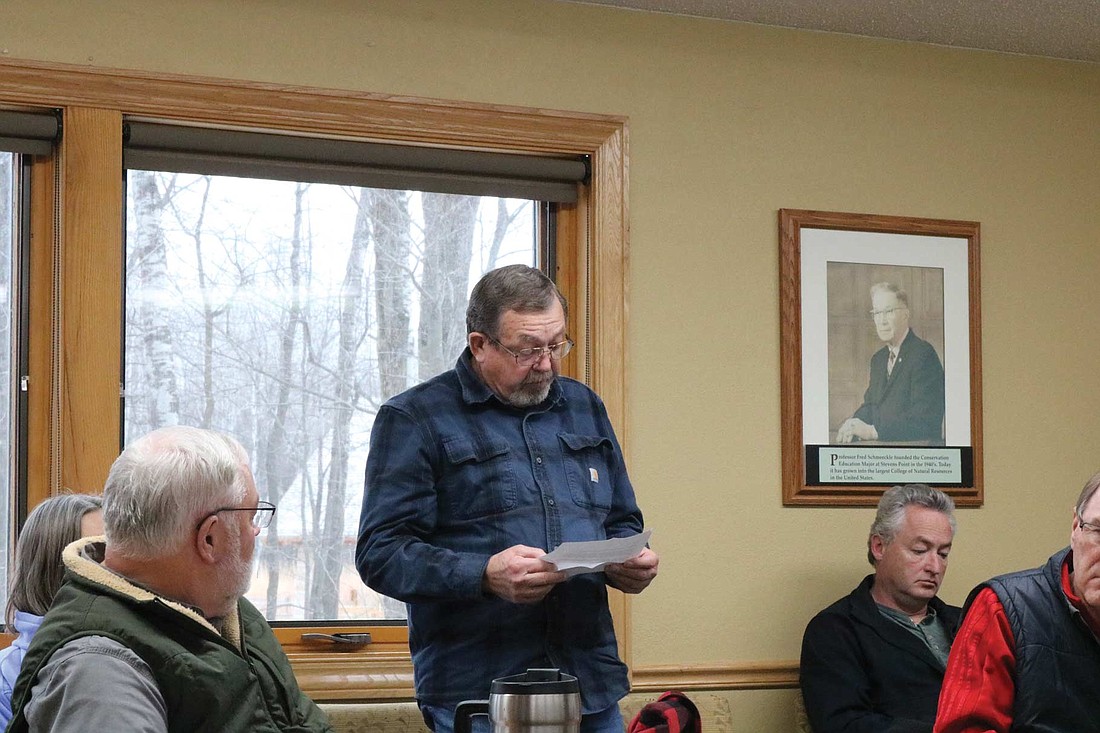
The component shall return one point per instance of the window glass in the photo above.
(9, 246)
(285, 314)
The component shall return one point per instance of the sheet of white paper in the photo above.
(574, 558)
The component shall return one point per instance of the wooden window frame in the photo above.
(77, 255)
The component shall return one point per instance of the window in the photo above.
(9, 247)
(77, 313)
(285, 313)
(23, 136)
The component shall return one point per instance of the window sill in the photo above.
(379, 671)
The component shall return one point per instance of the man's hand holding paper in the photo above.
(634, 575)
(630, 565)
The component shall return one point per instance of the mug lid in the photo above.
(536, 682)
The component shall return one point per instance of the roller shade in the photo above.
(164, 147)
(28, 132)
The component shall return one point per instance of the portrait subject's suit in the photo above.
(907, 404)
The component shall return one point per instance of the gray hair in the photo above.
(1086, 493)
(892, 505)
(38, 570)
(514, 287)
(888, 287)
(164, 482)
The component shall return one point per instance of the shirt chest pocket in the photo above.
(587, 468)
(479, 479)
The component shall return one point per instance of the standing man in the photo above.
(1028, 658)
(471, 478)
(873, 661)
(150, 633)
(905, 398)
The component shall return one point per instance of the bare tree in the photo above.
(148, 266)
(389, 216)
(276, 468)
(195, 230)
(504, 221)
(324, 594)
(448, 238)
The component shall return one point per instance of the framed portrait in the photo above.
(880, 356)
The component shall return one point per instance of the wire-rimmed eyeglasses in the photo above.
(1092, 530)
(886, 311)
(533, 355)
(262, 513)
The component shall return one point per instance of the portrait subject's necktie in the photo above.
(890, 363)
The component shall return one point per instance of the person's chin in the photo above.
(530, 395)
(925, 590)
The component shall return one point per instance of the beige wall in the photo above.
(729, 123)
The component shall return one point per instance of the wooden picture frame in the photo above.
(859, 292)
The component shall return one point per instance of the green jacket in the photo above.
(239, 680)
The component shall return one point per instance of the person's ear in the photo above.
(206, 539)
(478, 342)
(878, 547)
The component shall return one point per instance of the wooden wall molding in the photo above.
(316, 111)
(389, 678)
(768, 675)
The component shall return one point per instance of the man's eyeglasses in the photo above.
(1092, 531)
(533, 355)
(261, 517)
(886, 311)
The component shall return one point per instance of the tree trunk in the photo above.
(448, 248)
(390, 226)
(208, 314)
(325, 585)
(276, 470)
(153, 322)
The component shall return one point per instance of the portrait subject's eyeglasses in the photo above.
(528, 357)
(886, 311)
(261, 514)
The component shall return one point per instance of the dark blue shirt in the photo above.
(454, 476)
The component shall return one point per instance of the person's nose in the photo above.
(937, 564)
(544, 359)
(256, 531)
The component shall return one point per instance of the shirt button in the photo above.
(538, 460)
(550, 502)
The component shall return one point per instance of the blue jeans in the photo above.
(440, 718)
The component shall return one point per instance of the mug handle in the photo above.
(465, 713)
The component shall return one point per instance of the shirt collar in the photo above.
(95, 552)
(475, 391)
(1076, 604)
(899, 615)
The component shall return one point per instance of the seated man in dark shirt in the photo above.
(873, 662)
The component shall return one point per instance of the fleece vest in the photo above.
(1057, 656)
(208, 683)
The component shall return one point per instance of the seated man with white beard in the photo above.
(150, 631)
